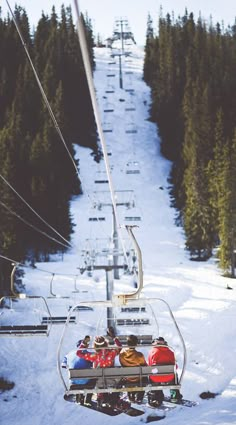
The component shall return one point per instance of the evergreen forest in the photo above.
(36, 170)
(190, 67)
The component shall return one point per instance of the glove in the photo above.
(86, 340)
(111, 332)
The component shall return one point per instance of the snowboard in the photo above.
(131, 411)
(152, 414)
(182, 402)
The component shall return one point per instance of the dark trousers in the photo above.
(135, 395)
(155, 395)
(80, 398)
(110, 398)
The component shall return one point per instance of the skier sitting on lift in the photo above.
(72, 361)
(131, 357)
(160, 353)
(104, 357)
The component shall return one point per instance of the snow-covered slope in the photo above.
(204, 309)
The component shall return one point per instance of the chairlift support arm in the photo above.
(123, 298)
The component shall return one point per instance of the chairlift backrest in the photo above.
(114, 379)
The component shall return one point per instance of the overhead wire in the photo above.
(44, 94)
(98, 122)
(31, 225)
(31, 208)
(42, 90)
(52, 116)
(19, 264)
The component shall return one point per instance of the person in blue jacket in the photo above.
(72, 361)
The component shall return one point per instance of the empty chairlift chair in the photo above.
(18, 326)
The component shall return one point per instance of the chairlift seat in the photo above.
(132, 322)
(133, 309)
(24, 330)
(133, 218)
(133, 172)
(130, 109)
(97, 219)
(108, 110)
(131, 131)
(57, 319)
(113, 379)
(142, 339)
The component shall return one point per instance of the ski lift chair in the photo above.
(132, 167)
(27, 329)
(131, 129)
(59, 312)
(103, 376)
(107, 127)
(109, 107)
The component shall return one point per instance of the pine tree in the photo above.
(227, 209)
(198, 218)
(214, 169)
(149, 68)
(195, 110)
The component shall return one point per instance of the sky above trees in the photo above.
(104, 13)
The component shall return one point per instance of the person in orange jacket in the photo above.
(131, 357)
(160, 353)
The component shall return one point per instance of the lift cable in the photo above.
(31, 225)
(47, 104)
(42, 91)
(18, 263)
(89, 75)
(31, 208)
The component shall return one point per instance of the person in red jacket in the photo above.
(161, 354)
(104, 357)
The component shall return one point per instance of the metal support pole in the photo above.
(115, 247)
(109, 290)
(120, 68)
(121, 35)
